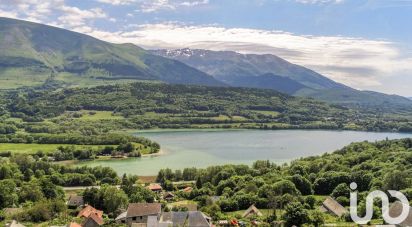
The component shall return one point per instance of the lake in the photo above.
(202, 148)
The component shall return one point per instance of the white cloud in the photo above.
(42, 11)
(148, 6)
(319, 1)
(117, 2)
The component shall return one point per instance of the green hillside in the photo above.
(30, 53)
(156, 105)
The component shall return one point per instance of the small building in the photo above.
(92, 217)
(396, 209)
(75, 201)
(223, 223)
(140, 212)
(333, 207)
(190, 218)
(121, 219)
(188, 189)
(252, 211)
(155, 188)
(168, 196)
(93, 221)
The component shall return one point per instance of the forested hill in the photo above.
(32, 53)
(151, 105)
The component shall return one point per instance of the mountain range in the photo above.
(271, 72)
(32, 54)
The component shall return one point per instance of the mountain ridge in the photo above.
(229, 64)
(40, 48)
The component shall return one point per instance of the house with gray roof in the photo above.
(187, 218)
(333, 207)
(140, 212)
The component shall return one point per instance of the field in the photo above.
(99, 115)
(15, 78)
(33, 148)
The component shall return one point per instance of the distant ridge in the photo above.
(246, 70)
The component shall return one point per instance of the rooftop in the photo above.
(143, 209)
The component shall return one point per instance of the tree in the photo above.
(139, 194)
(396, 180)
(341, 190)
(126, 148)
(302, 184)
(317, 218)
(30, 191)
(113, 198)
(8, 195)
(168, 185)
(285, 187)
(50, 190)
(295, 214)
(311, 201)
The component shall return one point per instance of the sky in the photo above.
(365, 44)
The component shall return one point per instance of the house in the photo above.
(168, 196)
(88, 210)
(396, 209)
(190, 218)
(140, 212)
(92, 217)
(223, 223)
(15, 223)
(333, 207)
(251, 212)
(155, 188)
(121, 219)
(93, 221)
(188, 189)
(75, 201)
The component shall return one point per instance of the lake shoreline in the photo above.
(202, 148)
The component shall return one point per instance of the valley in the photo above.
(218, 133)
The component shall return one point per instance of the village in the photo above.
(165, 213)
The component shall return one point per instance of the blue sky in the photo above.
(366, 44)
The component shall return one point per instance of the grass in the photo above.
(33, 148)
(99, 115)
(50, 148)
(183, 202)
(88, 80)
(19, 77)
(267, 113)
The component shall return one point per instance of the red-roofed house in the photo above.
(155, 187)
(93, 217)
(93, 221)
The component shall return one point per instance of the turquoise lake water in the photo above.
(202, 148)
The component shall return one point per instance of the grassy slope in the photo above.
(30, 47)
